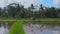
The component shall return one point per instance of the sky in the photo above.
(27, 3)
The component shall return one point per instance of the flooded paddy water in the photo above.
(33, 27)
(5, 26)
(42, 28)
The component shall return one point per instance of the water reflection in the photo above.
(31, 28)
(5, 26)
(4, 29)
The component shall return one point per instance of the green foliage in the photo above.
(17, 28)
(18, 11)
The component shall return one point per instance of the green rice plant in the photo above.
(17, 28)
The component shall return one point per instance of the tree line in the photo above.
(15, 10)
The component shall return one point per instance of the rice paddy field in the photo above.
(18, 28)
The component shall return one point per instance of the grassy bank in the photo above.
(28, 19)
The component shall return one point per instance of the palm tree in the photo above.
(42, 11)
(32, 9)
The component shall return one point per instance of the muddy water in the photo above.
(32, 28)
